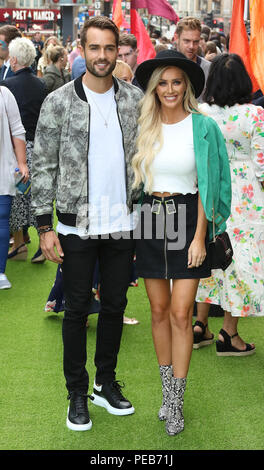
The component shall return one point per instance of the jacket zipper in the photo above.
(88, 145)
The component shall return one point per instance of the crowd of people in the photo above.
(144, 162)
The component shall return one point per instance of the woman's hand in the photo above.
(196, 253)
(23, 168)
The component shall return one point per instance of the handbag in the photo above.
(220, 250)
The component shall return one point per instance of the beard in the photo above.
(101, 73)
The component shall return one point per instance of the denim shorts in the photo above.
(166, 230)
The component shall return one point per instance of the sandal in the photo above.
(17, 255)
(199, 339)
(225, 348)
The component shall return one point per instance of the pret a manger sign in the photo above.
(41, 15)
(22, 15)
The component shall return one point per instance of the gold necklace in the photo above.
(105, 119)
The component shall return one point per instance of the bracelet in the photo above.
(45, 230)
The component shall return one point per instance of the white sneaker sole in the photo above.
(78, 427)
(5, 286)
(99, 401)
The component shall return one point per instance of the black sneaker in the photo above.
(78, 418)
(110, 397)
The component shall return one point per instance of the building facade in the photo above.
(199, 8)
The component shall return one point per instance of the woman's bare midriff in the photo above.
(165, 194)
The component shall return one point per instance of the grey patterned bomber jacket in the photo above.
(60, 155)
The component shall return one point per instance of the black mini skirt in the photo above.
(165, 231)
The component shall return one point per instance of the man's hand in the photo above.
(48, 243)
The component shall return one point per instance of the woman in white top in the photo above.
(182, 162)
(12, 155)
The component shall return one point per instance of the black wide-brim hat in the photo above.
(170, 57)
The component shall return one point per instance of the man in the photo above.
(38, 44)
(188, 35)
(78, 65)
(128, 50)
(7, 34)
(84, 144)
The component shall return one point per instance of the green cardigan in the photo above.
(214, 181)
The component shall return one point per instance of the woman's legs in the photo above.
(159, 294)
(172, 321)
(173, 340)
(182, 301)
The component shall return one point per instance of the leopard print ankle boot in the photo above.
(165, 375)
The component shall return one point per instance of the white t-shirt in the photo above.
(108, 212)
(174, 168)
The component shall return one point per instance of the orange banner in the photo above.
(257, 40)
(117, 13)
(239, 43)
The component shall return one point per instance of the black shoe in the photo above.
(225, 348)
(110, 397)
(199, 338)
(38, 257)
(78, 418)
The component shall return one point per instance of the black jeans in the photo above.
(115, 259)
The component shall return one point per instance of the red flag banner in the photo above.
(156, 7)
(257, 40)
(239, 43)
(144, 44)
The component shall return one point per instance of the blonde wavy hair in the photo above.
(150, 138)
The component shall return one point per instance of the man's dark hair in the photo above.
(228, 82)
(10, 32)
(128, 40)
(101, 22)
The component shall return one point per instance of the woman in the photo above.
(210, 50)
(29, 93)
(12, 155)
(182, 162)
(55, 74)
(44, 61)
(239, 290)
(123, 71)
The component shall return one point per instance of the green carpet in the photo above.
(223, 402)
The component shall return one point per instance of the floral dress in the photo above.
(240, 289)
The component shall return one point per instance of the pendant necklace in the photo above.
(105, 119)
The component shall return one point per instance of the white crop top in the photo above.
(174, 168)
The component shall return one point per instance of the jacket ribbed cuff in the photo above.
(45, 219)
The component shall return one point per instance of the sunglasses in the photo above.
(3, 44)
